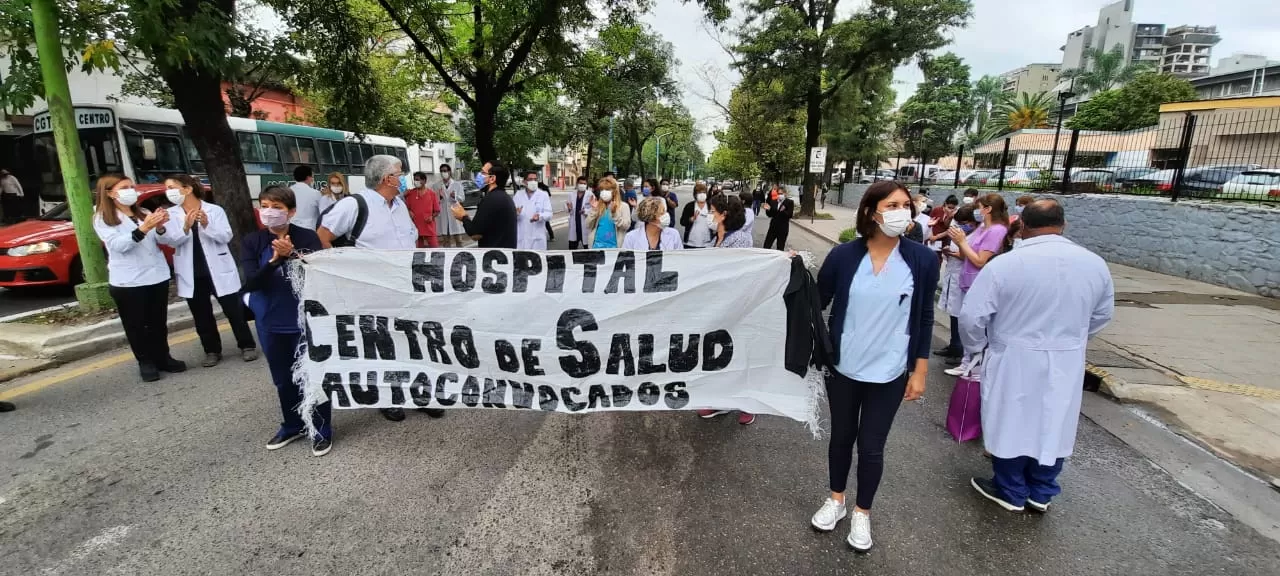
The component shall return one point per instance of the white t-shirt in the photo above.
(388, 227)
(308, 201)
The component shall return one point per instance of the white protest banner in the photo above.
(583, 331)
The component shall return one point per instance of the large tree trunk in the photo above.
(591, 146)
(812, 131)
(198, 96)
(486, 114)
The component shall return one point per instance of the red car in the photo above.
(44, 251)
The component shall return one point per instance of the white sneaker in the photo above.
(860, 531)
(960, 370)
(830, 514)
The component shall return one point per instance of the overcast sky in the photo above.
(1001, 36)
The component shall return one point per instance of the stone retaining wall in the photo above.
(1232, 245)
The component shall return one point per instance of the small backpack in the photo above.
(362, 217)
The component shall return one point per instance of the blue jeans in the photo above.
(1018, 479)
(280, 350)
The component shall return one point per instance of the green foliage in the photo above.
(1105, 70)
(848, 235)
(985, 94)
(856, 120)
(765, 134)
(1136, 105)
(1024, 111)
(941, 107)
(527, 121)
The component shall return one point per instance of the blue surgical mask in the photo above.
(977, 215)
(404, 183)
(479, 180)
(646, 190)
(968, 228)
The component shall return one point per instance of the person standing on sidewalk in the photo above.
(1032, 311)
(307, 197)
(448, 192)
(780, 209)
(880, 288)
(533, 211)
(952, 297)
(386, 221)
(696, 220)
(204, 267)
(424, 208)
(270, 295)
(578, 205)
(987, 241)
(749, 214)
(11, 198)
(495, 223)
(137, 274)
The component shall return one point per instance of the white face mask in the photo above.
(127, 196)
(531, 185)
(445, 176)
(606, 195)
(174, 195)
(335, 189)
(968, 200)
(665, 220)
(666, 187)
(702, 196)
(582, 187)
(895, 222)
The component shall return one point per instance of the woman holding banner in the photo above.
(880, 289)
(263, 256)
(656, 232)
(608, 217)
(729, 216)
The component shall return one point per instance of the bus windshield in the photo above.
(101, 156)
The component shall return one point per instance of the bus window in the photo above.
(404, 158)
(168, 160)
(382, 150)
(333, 156)
(193, 155)
(366, 150)
(298, 152)
(260, 153)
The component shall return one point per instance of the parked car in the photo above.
(977, 178)
(1012, 177)
(44, 251)
(1103, 179)
(1262, 183)
(1124, 176)
(944, 177)
(471, 194)
(876, 176)
(1198, 182)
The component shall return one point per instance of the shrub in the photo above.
(848, 235)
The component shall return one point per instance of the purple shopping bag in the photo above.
(964, 414)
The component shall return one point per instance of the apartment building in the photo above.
(1187, 50)
(1181, 50)
(1032, 78)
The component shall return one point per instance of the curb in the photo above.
(74, 343)
(821, 236)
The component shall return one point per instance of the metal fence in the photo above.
(1224, 154)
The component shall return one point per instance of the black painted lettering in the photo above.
(442, 398)
(596, 396)
(471, 391)
(713, 359)
(646, 365)
(366, 395)
(335, 391)
(462, 272)
(529, 353)
(395, 381)
(621, 395)
(420, 390)
(655, 279)
(589, 363)
(435, 342)
(620, 356)
(548, 400)
(496, 283)
(378, 344)
(624, 271)
(570, 404)
(317, 352)
(523, 265)
(410, 330)
(648, 393)
(464, 347)
(508, 361)
(677, 397)
(521, 394)
(428, 270)
(346, 336)
(495, 393)
(555, 274)
(589, 260)
(681, 358)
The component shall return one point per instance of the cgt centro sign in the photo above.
(85, 118)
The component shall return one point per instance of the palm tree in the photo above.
(1104, 70)
(986, 93)
(1026, 111)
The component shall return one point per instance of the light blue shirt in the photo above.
(873, 346)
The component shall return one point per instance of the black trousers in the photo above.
(207, 326)
(144, 312)
(955, 345)
(861, 413)
(779, 233)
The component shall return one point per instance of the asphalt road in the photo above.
(18, 301)
(104, 475)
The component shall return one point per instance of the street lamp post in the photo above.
(657, 153)
(1057, 132)
(612, 168)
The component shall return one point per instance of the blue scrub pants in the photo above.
(280, 350)
(1018, 479)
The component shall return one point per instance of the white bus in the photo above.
(148, 143)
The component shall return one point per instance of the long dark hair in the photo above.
(190, 182)
(866, 224)
(106, 206)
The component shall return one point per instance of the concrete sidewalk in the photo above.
(1203, 359)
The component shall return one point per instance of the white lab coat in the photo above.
(446, 224)
(532, 234)
(1034, 310)
(952, 297)
(578, 218)
(214, 239)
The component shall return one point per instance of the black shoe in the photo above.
(432, 412)
(211, 359)
(281, 439)
(988, 490)
(392, 414)
(173, 366)
(7, 407)
(249, 354)
(321, 446)
(948, 352)
(953, 361)
(148, 372)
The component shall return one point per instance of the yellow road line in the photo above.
(47, 381)
(1229, 388)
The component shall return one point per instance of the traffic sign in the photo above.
(818, 159)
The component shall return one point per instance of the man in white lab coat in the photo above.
(533, 211)
(1033, 310)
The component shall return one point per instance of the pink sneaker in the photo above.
(745, 418)
(711, 413)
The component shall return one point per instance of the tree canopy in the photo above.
(1136, 105)
(941, 107)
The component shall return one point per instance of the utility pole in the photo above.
(1057, 132)
(612, 168)
(92, 295)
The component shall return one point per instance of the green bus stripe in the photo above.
(301, 131)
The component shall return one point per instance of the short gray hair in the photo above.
(378, 167)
